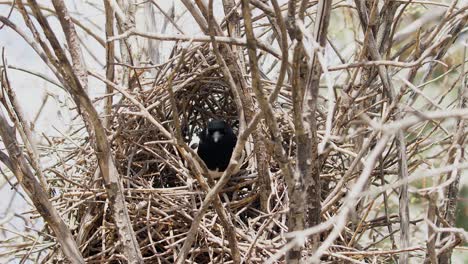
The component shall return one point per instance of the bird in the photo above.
(215, 147)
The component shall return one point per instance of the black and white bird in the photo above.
(215, 147)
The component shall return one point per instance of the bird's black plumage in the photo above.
(217, 141)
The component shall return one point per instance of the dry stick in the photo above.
(45, 53)
(267, 111)
(110, 66)
(196, 14)
(338, 191)
(414, 177)
(38, 114)
(268, 11)
(24, 129)
(257, 236)
(418, 91)
(457, 144)
(385, 202)
(91, 214)
(459, 231)
(73, 42)
(447, 247)
(312, 181)
(9, 13)
(284, 49)
(299, 237)
(75, 78)
(454, 33)
(154, 53)
(273, 51)
(318, 62)
(442, 50)
(401, 144)
(234, 29)
(339, 221)
(225, 220)
(356, 237)
(415, 25)
(260, 148)
(167, 16)
(418, 117)
(339, 256)
(262, 159)
(129, 48)
(37, 194)
(150, 48)
(37, 74)
(403, 199)
(116, 8)
(167, 37)
(380, 252)
(143, 110)
(297, 196)
(384, 36)
(431, 256)
(427, 53)
(279, 153)
(231, 73)
(351, 198)
(76, 21)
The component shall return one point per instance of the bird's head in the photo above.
(217, 129)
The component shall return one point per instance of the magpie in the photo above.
(217, 141)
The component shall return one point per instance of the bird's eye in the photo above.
(194, 146)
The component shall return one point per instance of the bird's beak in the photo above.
(217, 136)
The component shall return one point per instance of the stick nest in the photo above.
(161, 191)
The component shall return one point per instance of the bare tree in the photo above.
(352, 116)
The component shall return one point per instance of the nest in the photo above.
(161, 191)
